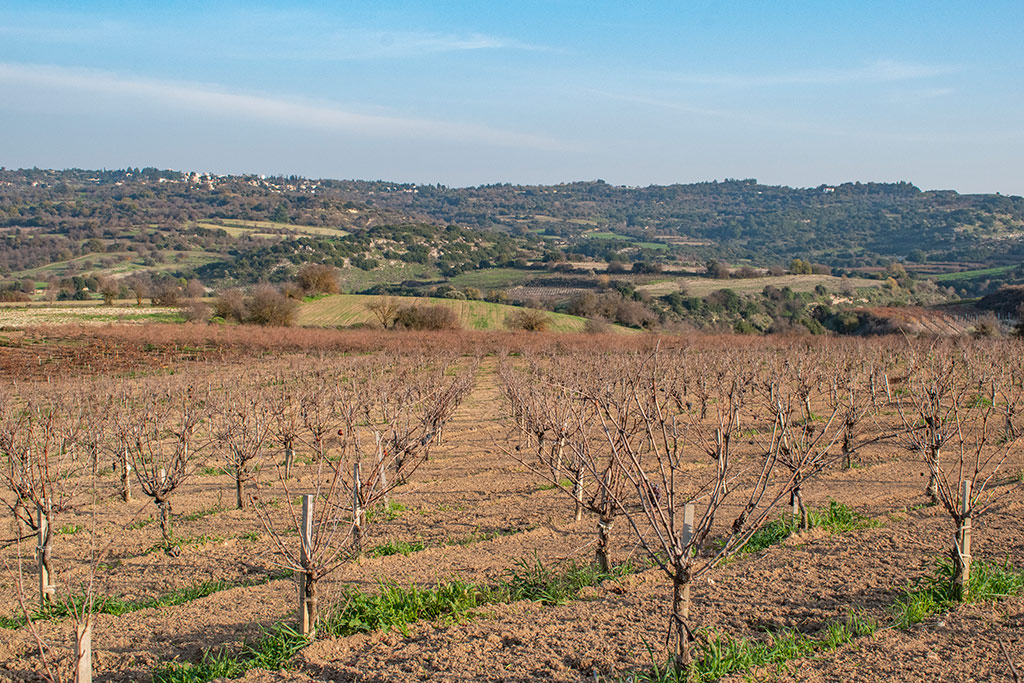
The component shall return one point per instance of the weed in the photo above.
(836, 518)
(388, 512)
(140, 524)
(564, 483)
(935, 592)
(405, 548)
(69, 529)
(199, 514)
(721, 655)
(395, 607)
(531, 580)
(272, 651)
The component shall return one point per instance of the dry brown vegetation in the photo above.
(660, 461)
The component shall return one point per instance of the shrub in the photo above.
(316, 278)
(231, 305)
(528, 320)
(427, 318)
(196, 312)
(268, 306)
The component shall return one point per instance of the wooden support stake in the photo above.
(46, 587)
(357, 509)
(686, 540)
(163, 476)
(307, 603)
(963, 540)
(83, 651)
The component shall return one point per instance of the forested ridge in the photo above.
(48, 216)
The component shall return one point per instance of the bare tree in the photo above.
(241, 423)
(675, 510)
(951, 401)
(159, 428)
(385, 310)
(37, 432)
(347, 422)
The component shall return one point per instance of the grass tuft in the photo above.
(935, 592)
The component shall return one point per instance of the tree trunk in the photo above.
(933, 483)
(45, 557)
(962, 545)
(165, 519)
(239, 485)
(126, 482)
(577, 492)
(679, 621)
(357, 511)
(289, 459)
(604, 528)
(307, 605)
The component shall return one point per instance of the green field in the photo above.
(702, 286)
(971, 274)
(492, 278)
(606, 235)
(238, 227)
(343, 310)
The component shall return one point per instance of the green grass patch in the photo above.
(69, 529)
(272, 651)
(394, 608)
(935, 592)
(140, 524)
(405, 548)
(721, 655)
(199, 514)
(971, 274)
(117, 606)
(388, 512)
(565, 483)
(177, 543)
(837, 518)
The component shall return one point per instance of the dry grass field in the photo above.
(473, 567)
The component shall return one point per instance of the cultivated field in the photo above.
(344, 310)
(783, 510)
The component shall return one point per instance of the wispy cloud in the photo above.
(883, 71)
(794, 124)
(212, 100)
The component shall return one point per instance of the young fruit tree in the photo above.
(344, 425)
(685, 473)
(952, 400)
(241, 422)
(557, 407)
(159, 425)
(37, 433)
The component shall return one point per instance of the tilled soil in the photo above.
(470, 491)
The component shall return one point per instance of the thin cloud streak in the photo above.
(806, 128)
(209, 99)
(883, 71)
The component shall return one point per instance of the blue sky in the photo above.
(464, 93)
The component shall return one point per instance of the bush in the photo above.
(427, 318)
(231, 305)
(14, 295)
(316, 278)
(196, 312)
(528, 320)
(268, 306)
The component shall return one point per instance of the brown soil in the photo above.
(468, 487)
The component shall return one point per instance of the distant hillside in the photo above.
(73, 227)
